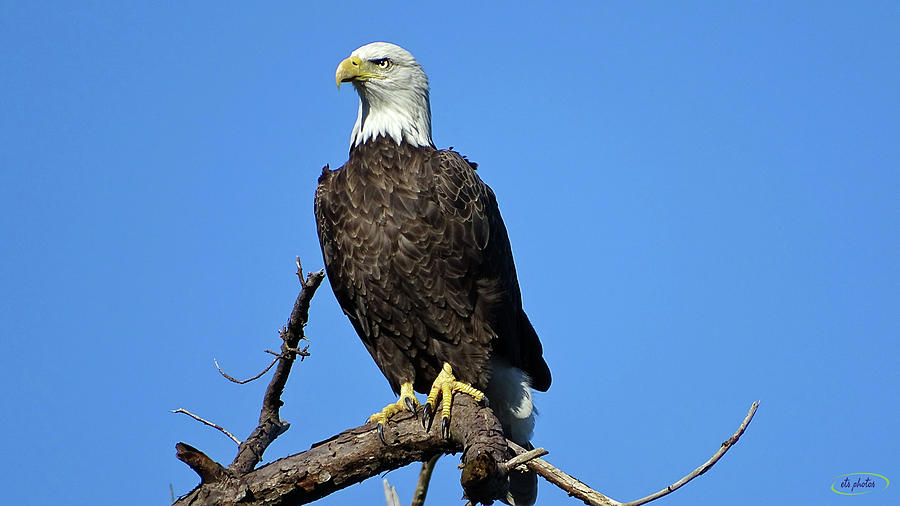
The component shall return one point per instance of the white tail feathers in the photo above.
(509, 394)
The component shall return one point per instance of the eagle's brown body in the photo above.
(419, 259)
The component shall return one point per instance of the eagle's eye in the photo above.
(383, 63)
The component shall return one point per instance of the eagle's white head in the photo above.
(393, 94)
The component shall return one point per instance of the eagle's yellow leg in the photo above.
(407, 400)
(445, 385)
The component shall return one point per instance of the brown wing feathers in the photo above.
(419, 259)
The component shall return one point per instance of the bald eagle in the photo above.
(419, 259)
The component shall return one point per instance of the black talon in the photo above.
(426, 416)
(381, 433)
(445, 427)
(411, 406)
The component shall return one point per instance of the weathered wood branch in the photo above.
(357, 454)
(349, 457)
(209, 470)
(706, 465)
(579, 490)
(421, 490)
(270, 424)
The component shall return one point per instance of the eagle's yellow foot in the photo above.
(407, 400)
(445, 385)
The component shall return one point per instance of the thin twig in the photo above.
(706, 465)
(241, 382)
(195, 417)
(424, 479)
(570, 484)
(297, 351)
(522, 458)
(284, 332)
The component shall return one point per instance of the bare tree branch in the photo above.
(301, 353)
(349, 457)
(357, 454)
(578, 489)
(390, 494)
(195, 417)
(706, 465)
(424, 479)
(270, 424)
(209, 470)
(571, 485)
(523, 458)
(248, 380)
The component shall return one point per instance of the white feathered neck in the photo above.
(395, 106)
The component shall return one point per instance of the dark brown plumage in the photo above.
(419, 259)
(418, 256)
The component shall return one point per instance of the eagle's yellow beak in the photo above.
(348, 70)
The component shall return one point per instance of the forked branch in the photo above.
(357, 454)
(270, 423)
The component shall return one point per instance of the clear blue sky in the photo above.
(702, 200)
